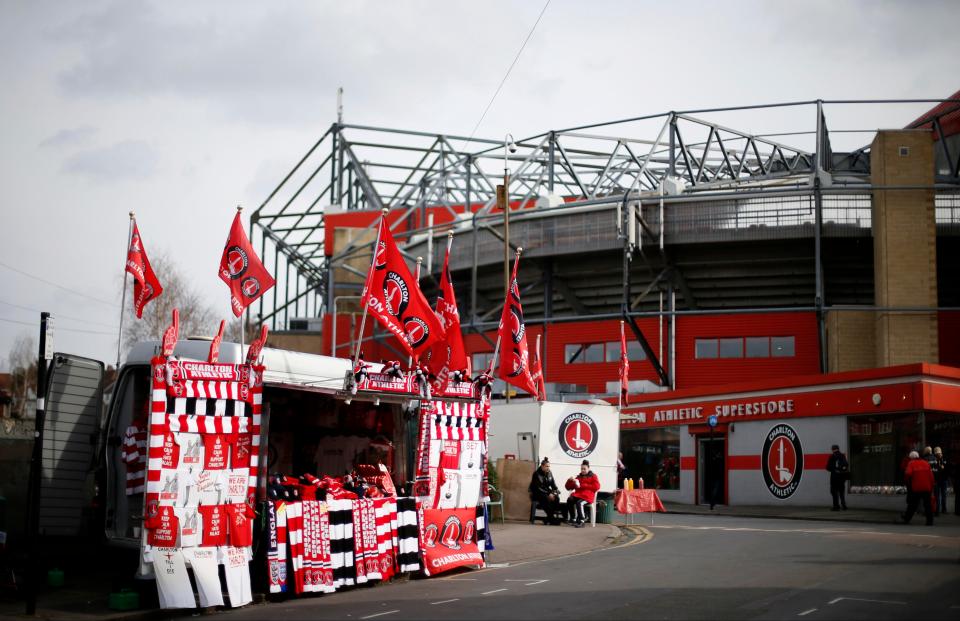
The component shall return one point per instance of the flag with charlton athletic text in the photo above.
(624, 369)
(394, 298)
(146, 286)
(242, 270)
(447, 355)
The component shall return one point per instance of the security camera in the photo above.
(510, 143)
(512, 147)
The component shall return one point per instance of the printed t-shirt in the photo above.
(242, 447)
(163, 528)
(214, 525)
(241, 526)
(191, 448)
(170, 456)
(173, 583)
(189, 526)
(216, 450)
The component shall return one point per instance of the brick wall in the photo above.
(851, 340)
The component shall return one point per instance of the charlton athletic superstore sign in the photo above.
(782, 461)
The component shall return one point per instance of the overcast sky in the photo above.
(182, 110)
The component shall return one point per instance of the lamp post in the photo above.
(503, 197)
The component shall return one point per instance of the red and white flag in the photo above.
(392, 295)
(145, 284)
(514, 353)
(624, 369)
(448, 355)
(242, 270)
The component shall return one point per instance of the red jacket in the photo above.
(589, 485)
(918, 476)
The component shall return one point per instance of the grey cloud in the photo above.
(70, 137)
(130, 159)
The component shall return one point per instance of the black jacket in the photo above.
(838, 465)
(542, 483)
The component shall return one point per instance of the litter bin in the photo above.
(604, 508)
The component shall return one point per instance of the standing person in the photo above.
(839, 469)
(941, 476)
(919, 479)
(544, 491)
(585, 486)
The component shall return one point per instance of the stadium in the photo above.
(748, 250)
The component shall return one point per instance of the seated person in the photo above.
(584, 490)
(544, 491)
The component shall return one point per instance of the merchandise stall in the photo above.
(322, 466)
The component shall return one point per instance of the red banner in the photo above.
(448, 355)
(624, 369)
(514, 352)
(145, 284)
(448, 539)
(392, 296)
(242, 270)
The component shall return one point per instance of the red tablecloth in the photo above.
(637, 501)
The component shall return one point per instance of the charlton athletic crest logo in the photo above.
(396, 294)
(236, 262)
(782, 461)
(578, 435)
(250, 287)
(417, 331)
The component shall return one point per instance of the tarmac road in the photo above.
(683, 567)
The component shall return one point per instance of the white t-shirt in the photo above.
(191, 449)
(204, 563)
(237, 572)
(189, 526)
(173, 583)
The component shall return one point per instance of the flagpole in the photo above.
(416, 279)
(123, 296)
(620, 392)
(373, 262)
(243, 315)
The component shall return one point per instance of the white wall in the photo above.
(816, 435)
(506, 421)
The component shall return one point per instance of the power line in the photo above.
(53, 284)
(59, 315)
(506, 75)
(35, 325)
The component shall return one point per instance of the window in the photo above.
(654, 455)
(635, 351)
(781, 346)
(758, 346)
(731, 348)
(481, 362)
(592, 353)
(706, 348)
(613, 352)
(573, 353)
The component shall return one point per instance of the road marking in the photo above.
(460, 579)
(493, 591)
(524, 580)
(380, 614)
(446, 601)
(535, 583)
(860, 599)
(806, 612)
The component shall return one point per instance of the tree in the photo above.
(23, 373)
(196, 316)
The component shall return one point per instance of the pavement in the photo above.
(693, 563)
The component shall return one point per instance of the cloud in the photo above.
(70, 137)
(130, 159)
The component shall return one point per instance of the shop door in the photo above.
(711, 470)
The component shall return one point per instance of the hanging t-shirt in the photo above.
(176, 487)
(242, 447)
(163, 528)
(191, 448)
(471, 455)
(241, 526)
(173, 583)
(208, 485)
(214, 525)
(238, 484)
(216, 450)
(237, 572)
(189, 526)
(204, 563)
(170, 457)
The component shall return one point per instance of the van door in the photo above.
(73, 405)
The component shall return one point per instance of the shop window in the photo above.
(731, 348)
(781, 346)
(706, 348)
(879, 446)
(758, 346)
(654, 455)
